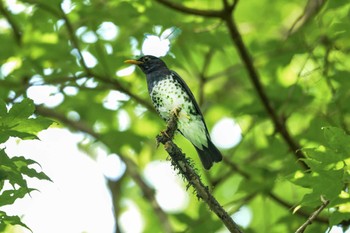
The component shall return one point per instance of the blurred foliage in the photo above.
(304, 70)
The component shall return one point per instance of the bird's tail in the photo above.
(209, 155)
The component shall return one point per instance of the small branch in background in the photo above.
(74, 41)
(181, 163)
(116, 85)
(89, 72)
(311, 9)
(303, 227)
(149, 194)
(225, 14)
(132, 169)
(187, 10)
(300, 212)
(115, 186)
(15, 29)
(202, 75)
(279, 124)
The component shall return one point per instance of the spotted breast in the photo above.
(167, 95)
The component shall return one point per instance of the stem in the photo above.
(180, 162)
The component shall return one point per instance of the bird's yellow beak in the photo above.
(134, 62)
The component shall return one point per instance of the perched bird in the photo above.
(168, 92)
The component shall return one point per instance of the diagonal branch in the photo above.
(311, 9)
(74, 40)
(118, 86)
(255, 79)
(15, 29)
(180, 162)
(312, 217)
(300, 212)
(226, 15)
(192, 11)
(89, 72)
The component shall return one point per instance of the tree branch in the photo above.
(311, 9)
(182, 164)
(192, 11)
(15, 29)
(202, 75)
(149, 194)
(274, 197)
(226, 15)
(115, 186)
(89, 73)
(302, 228)
(299, 212)
(118, 86)
(255, 79)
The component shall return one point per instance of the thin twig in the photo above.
(74, 41)
(302, 228)
(300, 212)
(89, 72)
(149, 194)
(15, 29)
(180, 162)
(192, 11)
(311, 9)
(202, 75)
(118, 86)
(115, 186)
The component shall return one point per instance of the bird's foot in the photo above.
(164, 132)
(176, 111)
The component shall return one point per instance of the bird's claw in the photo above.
(163, 132)
(176, 111)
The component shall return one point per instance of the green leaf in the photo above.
(17, 124)
(3, 109)
(328, 184)
(10, 220)
(337, 139)
(324, 158)
(4, 137)
(337, 217)
(33, 126)
(10, 196)
(23, 109)
(23, 166)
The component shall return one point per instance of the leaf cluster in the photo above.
(280, 69)
(14, 171)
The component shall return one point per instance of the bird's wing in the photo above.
(189, 92)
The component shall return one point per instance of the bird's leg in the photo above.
(177, 112)
(172, 123)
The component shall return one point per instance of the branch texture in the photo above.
(180, 162)
(303, 227)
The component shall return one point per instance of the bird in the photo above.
(168, 92)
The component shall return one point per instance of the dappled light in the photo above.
(174, 116)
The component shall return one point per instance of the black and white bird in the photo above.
(168, 92)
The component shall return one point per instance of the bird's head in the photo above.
(148, 63)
